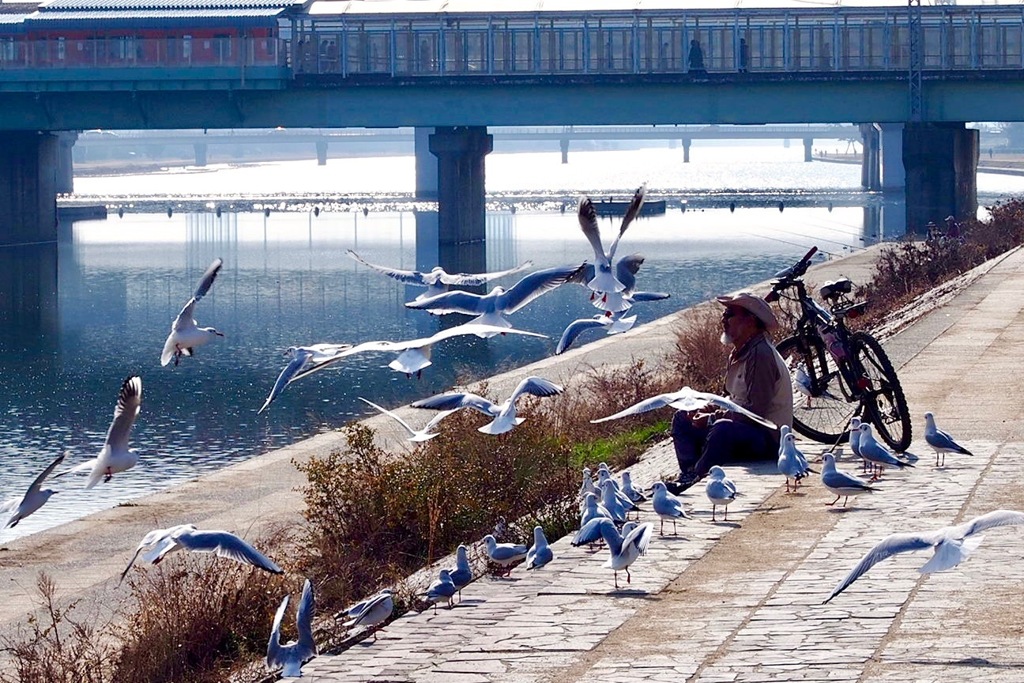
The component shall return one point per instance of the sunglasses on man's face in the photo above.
(730, 313)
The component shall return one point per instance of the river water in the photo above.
(287, 281)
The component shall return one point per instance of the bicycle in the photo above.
(837, 374)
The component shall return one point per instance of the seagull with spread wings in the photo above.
(292, 656)
(157, 544)
(951, 545)
(415, 435)
(504, 413)
(437, 281)
(15, 509)
(491, 308)
(185, 334)
(115, 456)
(603, 279)
(687, 399)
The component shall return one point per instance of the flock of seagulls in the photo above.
(605, 505)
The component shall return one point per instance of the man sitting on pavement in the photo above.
(756, 378)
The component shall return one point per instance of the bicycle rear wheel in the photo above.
(824, 414)
(884, 403)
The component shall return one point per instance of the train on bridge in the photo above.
(396, 39)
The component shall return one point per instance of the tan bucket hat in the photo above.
(753, 303)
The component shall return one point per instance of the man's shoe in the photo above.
(685, 481)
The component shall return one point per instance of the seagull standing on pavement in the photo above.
(792, 463)
(951, 545)
(667, 506)
(504, 414)
(627, 488)
(437, 281)
(504, 554)
(876, 454)
(539, 553)
(623, 548)
(372, 611)
(720, 490)
(843, 484)
(941, 441)
(13, 510)
(441, 589)
(185, 335)
(462, 574)
(491, 308)
(855, 441)
(296, 653)
(115, 456)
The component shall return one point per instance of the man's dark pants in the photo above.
(726, 441)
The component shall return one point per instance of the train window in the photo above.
(7, 50)
(222, 47)
(61, 49)
(186, 48)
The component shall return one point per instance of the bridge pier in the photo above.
(65, 180)
(808, 149)
(869, 168)
(426, 165)
(321, 153)
(461, 200)
(200, 149)
(942, 172)
(564, 146)
(28, 187)
(893, 174)
(686, 150)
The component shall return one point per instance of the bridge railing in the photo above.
(652, 42)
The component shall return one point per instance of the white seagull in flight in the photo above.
(416, 435)
(491, 308)
(437, 281)
(296, 653)
(304, 359)
(687, 399)
(185, 335)
(115, 456)
(159, 542)
(603, 280)
(504, 414)
(951, 545)
(625, 272)
(13, 510)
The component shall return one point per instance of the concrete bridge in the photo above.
(911, 76)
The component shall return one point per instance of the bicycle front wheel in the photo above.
(884, 403)
(822, 404)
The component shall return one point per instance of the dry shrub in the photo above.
(56, 647)
(373, 516)
(196, 618)
(700, 356)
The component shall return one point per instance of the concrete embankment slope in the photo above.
(86, 556)
(742, 600)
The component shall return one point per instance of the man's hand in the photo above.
(699, 418)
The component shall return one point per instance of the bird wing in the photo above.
(626, 269)
(458, 400)
(942, 439)
(887, 547)
(41, 478)
(839, 479)
(434, 421)
(478, 329)
(688, 397)
(652, 403)
(632, 211)
(576, 328)
(185, 319)
(274, 644)
(589, 532)
(304, 622)
(611, 536)
(409, 277)
(477, 279)
(227, 545)
(390, 414)
(648, 296)
(299, 359)
(129, 402)
(206, 281)
(455, 301)
(987, 521)
(587, 216)
(534, 285)
(640, 536)
(537, 386)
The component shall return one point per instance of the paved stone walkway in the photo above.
(741, 600)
